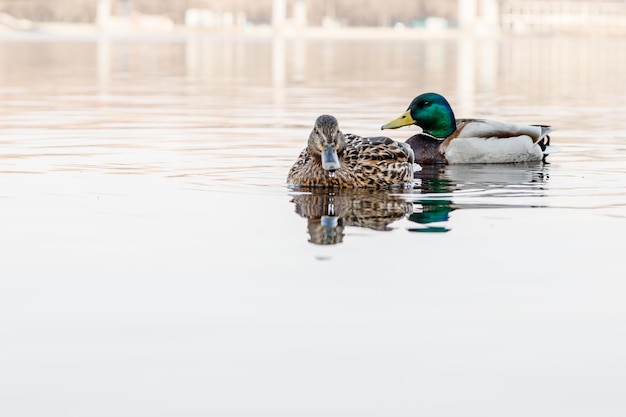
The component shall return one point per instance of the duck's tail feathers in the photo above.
(551, 149)
(544, 137)
(545, 130)
(548, 150)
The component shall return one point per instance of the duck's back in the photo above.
(497, 129)
(379, 161)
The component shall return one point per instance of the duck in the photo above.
(329, 212)
(333, 159)
(447, 140)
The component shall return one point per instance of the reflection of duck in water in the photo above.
(486, 184)
(445, 139)
(431, 211)
(328, 213)
(528, 177)
(335, 160)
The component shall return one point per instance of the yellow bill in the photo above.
(403, 120)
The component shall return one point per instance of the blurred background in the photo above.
(573, 16)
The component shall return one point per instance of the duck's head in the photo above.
(327, 142)
(431, 112)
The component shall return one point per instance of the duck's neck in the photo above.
(442, 125)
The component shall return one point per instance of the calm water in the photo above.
(154, 263)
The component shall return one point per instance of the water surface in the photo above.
(154, 263)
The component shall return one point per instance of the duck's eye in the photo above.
(426, 104)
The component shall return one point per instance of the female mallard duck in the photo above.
(328, 212)
(335, 160)
(445, 139)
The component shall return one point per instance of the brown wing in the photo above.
(379, 148)
(379, 160)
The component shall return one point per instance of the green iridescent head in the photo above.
(431, 112)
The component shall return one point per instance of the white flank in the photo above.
(492, 150)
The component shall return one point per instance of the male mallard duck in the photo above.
(445, 139)
(335, 160)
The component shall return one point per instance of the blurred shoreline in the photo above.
(52, 30)
(40, 31)
(85, 30)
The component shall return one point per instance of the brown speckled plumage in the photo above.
(328, 213)
(377, 162)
